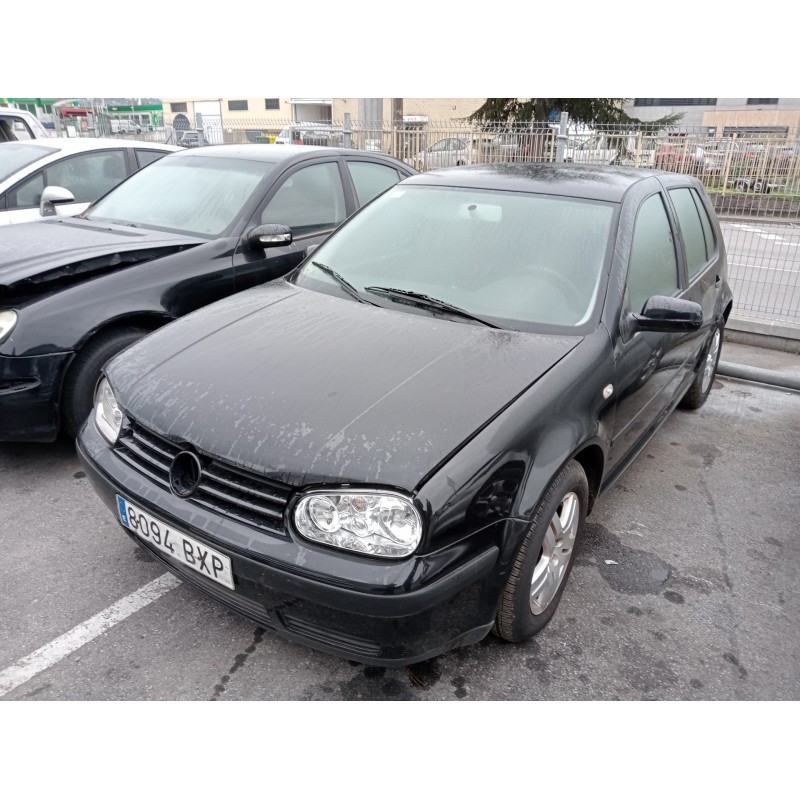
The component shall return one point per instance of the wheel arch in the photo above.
(146, 320)
(592, 460)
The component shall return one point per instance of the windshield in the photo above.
(13, 157)
(199, 195)
(518, 260)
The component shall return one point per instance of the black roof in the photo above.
(275, 153)
(576, 180)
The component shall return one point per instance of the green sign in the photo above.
(131, 109)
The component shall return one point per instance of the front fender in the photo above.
(506, 468)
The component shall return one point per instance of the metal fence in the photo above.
(764, 267)
(752, 178)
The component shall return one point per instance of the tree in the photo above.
(596, 113)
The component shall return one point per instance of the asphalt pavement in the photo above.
(686, 586)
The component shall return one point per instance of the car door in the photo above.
(309, 198)
(87, 175)
(702, 254)
(649, 366)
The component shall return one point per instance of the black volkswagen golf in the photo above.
(392, 451)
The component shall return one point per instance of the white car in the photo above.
(17, 125)
(595, 149)
(450, 152)
(60, 177)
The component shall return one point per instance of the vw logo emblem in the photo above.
(184, 474)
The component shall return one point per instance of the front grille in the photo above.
(251, 499)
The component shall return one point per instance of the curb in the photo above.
(767, 376)
(784, 336)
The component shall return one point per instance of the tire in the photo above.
(77, 396)
(554, 533)
(698, 392)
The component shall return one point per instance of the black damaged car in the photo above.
(192, 228)
(392, 451)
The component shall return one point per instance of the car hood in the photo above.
(306, 388)
(40, 253)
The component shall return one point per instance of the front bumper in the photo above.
(29, 391)
(368, 610)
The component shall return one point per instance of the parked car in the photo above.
(392, 451)
(606, 148)
(310, 133)
(125, 126)
(60, 177)
(686, 157)
(191, 228)
(452, 151)
(592, 149)
(187, 138)
(17, 125)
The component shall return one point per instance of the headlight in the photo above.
(371, 522)
(8, 319)
(107, 413)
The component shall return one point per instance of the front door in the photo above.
(648, 365)
(311, 201)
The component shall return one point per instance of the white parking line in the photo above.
(757, 266)
(29, 666)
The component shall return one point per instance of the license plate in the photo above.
(175, 544)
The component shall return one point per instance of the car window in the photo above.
(371, 179)
(521, 260)
(440, 145)
(200, 195)
(694, 239)
(89, 175)
(14, 157)
(708, 230)
(26, 194)
(14, 129)
(145, 157)
(653, 265)
(310, 200)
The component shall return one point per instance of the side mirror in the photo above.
(53, 196)
(264, 236)
(668, 315)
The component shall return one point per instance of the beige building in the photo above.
(238, 112)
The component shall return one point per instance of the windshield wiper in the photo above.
(343, 282)
(426, 301)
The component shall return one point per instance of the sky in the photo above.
(390, 50)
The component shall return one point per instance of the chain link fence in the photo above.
(752, 178)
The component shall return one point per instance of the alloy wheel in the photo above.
(711, 361)
(557, 548)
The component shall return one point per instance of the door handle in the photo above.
(717, 282)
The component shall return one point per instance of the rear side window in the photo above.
(694, 237)
(145, 157)
(708, 230)
(653, 266)
(371, 180)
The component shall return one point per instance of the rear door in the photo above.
(702, 254)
